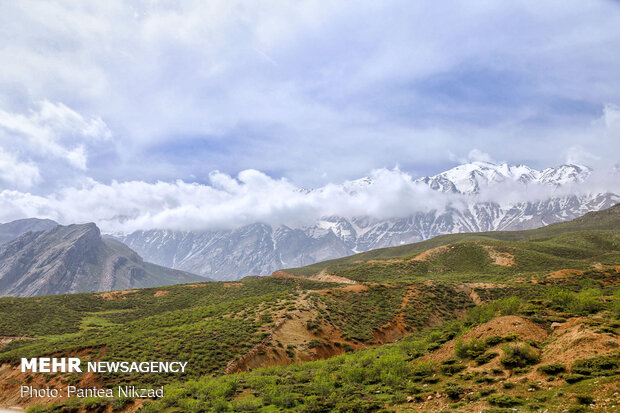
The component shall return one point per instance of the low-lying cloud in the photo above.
(252, 196)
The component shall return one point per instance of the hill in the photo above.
(538, 249)
(75, 258)
(468, 333)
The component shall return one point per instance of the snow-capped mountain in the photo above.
(473, 177)
(261, 249)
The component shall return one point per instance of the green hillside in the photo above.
(539, 249)
(396, 326)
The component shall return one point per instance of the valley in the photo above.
(460, 322)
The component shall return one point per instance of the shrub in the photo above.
(595, 366)
(584, 399)
(314, 343)
(518, 356)
(450, 360)
(486, 391)
(510, 337)
(574, 378)
(485, 358)
(492, 341)
(509, 306)
(451, 369)
(453, 390)
(587, 301)
(472, 349)
(552, 369)
(421, 370)
(313, 326)
(247, 404)
(521, 370)
(504, 400)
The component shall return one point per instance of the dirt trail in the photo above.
(321, 276)
(471, 293)
(397, 327)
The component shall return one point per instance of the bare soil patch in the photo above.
(325, 277)
(564, 273)
(116, 295)
(433, 252)
(524, 328)
(505, 259)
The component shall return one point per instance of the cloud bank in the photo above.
(118, 112)
(252, 196)
(314, 91)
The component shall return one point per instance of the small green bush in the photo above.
(453, 390)
(595, 366)
(472, 349)
(504, 400)
(492, 341)
(574, 378)
(584, 399)
(451, 369)
(519, 356)
(552, 369)
(420, 371)
(485, 358)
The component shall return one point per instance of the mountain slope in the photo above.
(479, 188)
(599, 228)
(75, 258)
(14, 229)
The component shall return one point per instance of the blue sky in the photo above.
(313, 91)
(310, 91)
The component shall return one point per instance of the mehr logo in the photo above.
(72, 365)
(51, 365)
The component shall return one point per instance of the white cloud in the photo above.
(47, 147)
(356, 86)
(249, 198)
(478, 155)
(577, 155)
(611, 117)
(52, 131)
(17, 174)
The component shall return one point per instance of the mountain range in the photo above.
(38, 256)
(477, 188)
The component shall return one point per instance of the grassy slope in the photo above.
(210, 324)
(550, 241)
(207, 324)
(441, 368)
